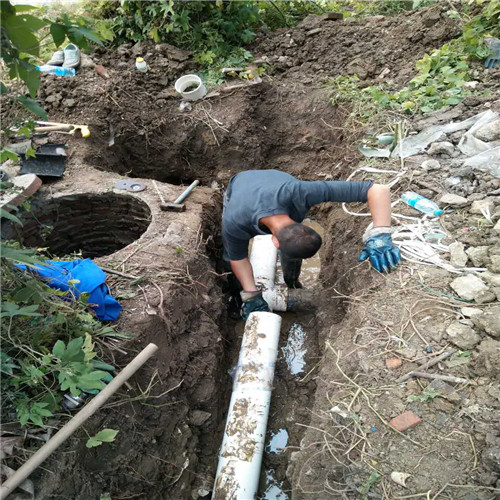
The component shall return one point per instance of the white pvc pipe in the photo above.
(263, 258)
(240, 457)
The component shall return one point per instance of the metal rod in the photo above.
(67, 430)
(186, 193)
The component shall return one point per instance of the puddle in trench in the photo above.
(295, 350)
(278, 442)
(273, 487)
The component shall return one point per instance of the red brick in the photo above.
(406, 420)
(393, 363)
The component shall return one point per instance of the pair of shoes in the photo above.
(69, 57)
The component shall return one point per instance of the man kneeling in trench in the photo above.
(273, 202)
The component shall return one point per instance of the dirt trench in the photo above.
(171, 421)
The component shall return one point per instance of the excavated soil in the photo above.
(171, 419)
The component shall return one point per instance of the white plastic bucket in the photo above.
(186, 81)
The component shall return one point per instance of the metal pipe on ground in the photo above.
(240, 457)
(70, 427)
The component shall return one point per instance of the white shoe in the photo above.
(57, 58)
(71, 56)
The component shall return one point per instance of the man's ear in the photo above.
(276, 242)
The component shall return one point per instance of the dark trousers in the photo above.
(291, 270)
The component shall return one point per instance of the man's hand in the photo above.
(252, 302)
(383, 254)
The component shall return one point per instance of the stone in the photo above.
(167, 94)
(429, 165)
(405, 421)
(431, 18)
(478, 255)
(462, 336)
(494, 265)
(453, 200)
(86, 61)
(446, 390)
(393, 363)
(496, 228)
(487, 361)
(491, 458)
(482, 205)
(496, 291)
(441, 148)
(69, 103)
(199, 417)
(489, 132)
(485, 297)
(470, 312)
(489, 321)
(458, 257)
(314, 31)
(491, 278)
(467, 287)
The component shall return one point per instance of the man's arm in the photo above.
(243, 271)
(379, 201)
(379, 247)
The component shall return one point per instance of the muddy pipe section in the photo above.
(242, 448)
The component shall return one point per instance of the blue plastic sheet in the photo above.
(90, 278)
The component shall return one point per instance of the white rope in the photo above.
(410, 238)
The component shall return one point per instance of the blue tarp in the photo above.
(91, 279)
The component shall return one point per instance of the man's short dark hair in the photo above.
(299, 241)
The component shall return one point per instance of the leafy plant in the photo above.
(373, 479)
(104, 436)
(47, 342)
(426, 396)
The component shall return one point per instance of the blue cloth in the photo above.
(91, 280)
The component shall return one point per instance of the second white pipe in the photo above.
(240, 457)
(263, 258)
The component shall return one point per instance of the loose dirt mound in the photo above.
(320, 47)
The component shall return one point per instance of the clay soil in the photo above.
(171, 418)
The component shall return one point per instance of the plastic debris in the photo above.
(421, 203)
(415, 144)
(371, 146)
(400, 478)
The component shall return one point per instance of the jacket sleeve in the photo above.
(314, 192)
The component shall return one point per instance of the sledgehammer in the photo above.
(177, 205)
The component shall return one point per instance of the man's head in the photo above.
(298, 241)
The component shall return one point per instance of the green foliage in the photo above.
(374, 478)
(213, 27)
(47, 342)
(441, 75)
(104, 436)
(426, 396)
(20, 46)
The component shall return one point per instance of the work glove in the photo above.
(383, 254)
(493, 60)
(252, 302)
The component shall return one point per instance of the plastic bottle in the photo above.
(141, 65)
(56, 70)
(421, 203)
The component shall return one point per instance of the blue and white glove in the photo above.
(384, 255)
(252, 302)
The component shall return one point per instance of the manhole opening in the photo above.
(93, 224)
